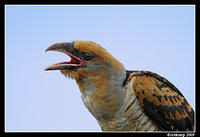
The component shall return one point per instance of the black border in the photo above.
(118, 2)
(3, 68)
(99, 2)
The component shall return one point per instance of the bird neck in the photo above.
(102, 91)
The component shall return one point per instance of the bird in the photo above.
(120, 99)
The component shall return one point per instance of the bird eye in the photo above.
(88, 56)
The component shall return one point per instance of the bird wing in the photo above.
(161, 101)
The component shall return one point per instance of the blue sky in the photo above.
(154, 38)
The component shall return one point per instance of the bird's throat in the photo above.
(101, 93)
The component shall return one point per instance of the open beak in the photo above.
(69, 50)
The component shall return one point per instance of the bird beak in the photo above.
(69, 50)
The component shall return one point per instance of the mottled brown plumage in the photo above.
(157, 93)
(122, 100)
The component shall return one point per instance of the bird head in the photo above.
(87, 58)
